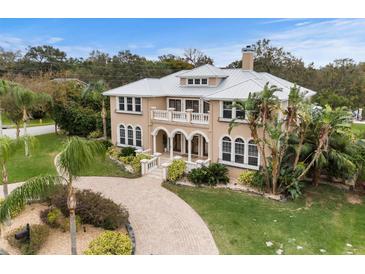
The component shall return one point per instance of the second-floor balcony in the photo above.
(187, 116)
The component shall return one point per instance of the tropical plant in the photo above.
(77, 154)
(246, 177)
(213, 174)
(96, 90)
(127, 151)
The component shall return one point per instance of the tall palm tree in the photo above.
(96, 89)
(25, 100)
(77, 154)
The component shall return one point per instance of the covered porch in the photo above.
(191, 147)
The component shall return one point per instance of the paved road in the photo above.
(39, 130)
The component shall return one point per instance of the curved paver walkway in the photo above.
(163, 223)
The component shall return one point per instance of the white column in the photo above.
(189, 150)
(154, 144)
(171, 148)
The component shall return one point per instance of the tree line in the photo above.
(339, 83)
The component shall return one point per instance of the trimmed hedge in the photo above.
(176, 170)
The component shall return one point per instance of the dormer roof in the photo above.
(204, 71)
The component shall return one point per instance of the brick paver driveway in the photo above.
(163, 223)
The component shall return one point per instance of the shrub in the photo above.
(106, 144)
(92, 208)
(95, 134)
(113, 151)
(134, 161)
(213, 174)
(65, 225)
(55, 217)
(176, 170)
(38, 236)
(219, 174)
(199, 176)
(110, 243)
(246, 177)
(258, 180)
(127, 151)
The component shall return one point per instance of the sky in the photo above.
(314, 40)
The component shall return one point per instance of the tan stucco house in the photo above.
(188, 112)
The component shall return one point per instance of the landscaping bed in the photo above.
(101, 227)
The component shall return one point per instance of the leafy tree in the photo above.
(197, 58)
(77, 155)
(96, 89)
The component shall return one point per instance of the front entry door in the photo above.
(177, 142)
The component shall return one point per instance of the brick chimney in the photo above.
(247, 58)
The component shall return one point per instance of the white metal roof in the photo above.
(236, 84)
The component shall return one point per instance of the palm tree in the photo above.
(326, 123)
(77, 154)
(7, 148)
(25, 100)
(96, 89)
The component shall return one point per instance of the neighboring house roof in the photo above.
(236, 84)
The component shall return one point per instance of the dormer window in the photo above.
(197, 81)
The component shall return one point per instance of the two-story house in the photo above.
(188, 112)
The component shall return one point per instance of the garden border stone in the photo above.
(132, 236)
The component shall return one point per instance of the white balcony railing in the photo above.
(160, 114)
(200, 118)
(178, 116)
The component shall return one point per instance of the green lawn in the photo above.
(21, 168)
(242, 223)
(31, 123)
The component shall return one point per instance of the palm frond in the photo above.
(78, 154)
(36, 188)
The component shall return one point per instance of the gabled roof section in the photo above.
(147, 87)
(204, 71)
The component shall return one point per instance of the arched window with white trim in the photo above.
(239, 151)
(122, 134)
(138, 137)
(130, 136)
(253, 154)
(226, 149)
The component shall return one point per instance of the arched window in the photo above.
(130, 136)
(122, 134)
(253, 154)
(138, 137)
(226, 149)
(239, 151)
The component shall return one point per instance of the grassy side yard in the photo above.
(21, 168)
(31, 123)
(246, 224)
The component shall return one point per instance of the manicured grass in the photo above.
(106, 167)
(242, 223)
(40, 162)
(21, 168)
